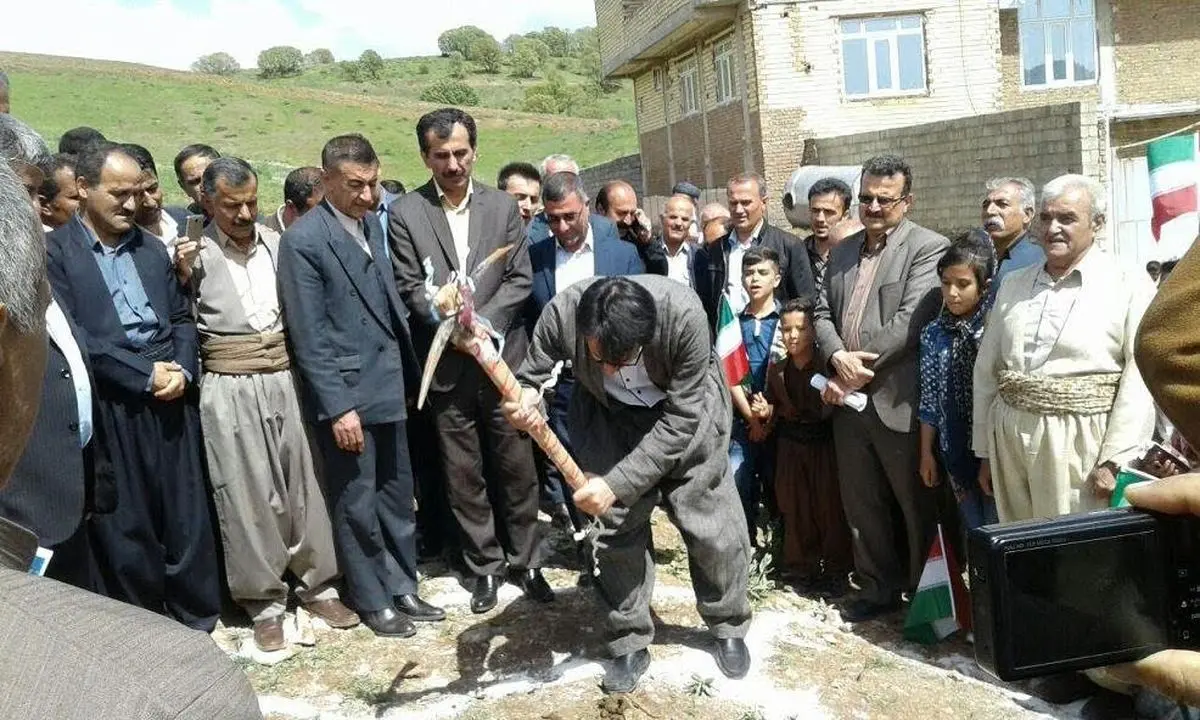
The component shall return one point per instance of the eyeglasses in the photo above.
(625, 363)
(884, 203)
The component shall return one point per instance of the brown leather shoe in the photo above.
(268, 634)
(333, 612)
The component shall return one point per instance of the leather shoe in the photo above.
(533, 584)
(334, 613)
(417, 609)
(268, 634)
(733, 657)
(483, 597)
(389, 623)
(861, 610)
(623, 674)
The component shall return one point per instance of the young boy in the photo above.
(949, 346)
(816, 540)
(752, 415)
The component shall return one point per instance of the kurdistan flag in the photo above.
(734, 361)
(940, 605)
(1174, 165)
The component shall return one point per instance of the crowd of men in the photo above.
(228, 402)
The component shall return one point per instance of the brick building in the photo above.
(723, 86)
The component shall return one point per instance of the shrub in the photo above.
(460, 39)
(370, 65)
(525, 61)
(487, 52)
(320, 56)
(553, 97)
(450, 92)
(218, 63)
(280, 61)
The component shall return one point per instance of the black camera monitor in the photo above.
(1083, 591)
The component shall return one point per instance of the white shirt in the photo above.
(253, 275)
(632, 385)
(571, 267)
(1051, 304)
(459, 219)
(166, 230)
(354, 227)
(677, 265)
(60, 332)
(738, 299)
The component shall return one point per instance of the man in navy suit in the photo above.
(156, 549)
(350, 338)
(579, 246)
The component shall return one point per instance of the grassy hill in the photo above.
(277, 125)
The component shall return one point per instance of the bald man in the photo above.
(618, 202)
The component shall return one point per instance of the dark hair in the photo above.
(887, 166)
(520, 169)
(76, 140)
(977, 253)
(300, 184)
(193, 151)
(619, 314)
(91, 163)
(759, 254)
(602, 196)
(50, 189)
(687, 188)
(800, 304)
(1153, 266)
(831, 186)
(1169, 266)
(561, 185)
(143, 157)
(442, 123)
(395, 187)
(235, 171)
(352, 148)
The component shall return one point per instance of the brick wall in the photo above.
(1138, 131)
(952, 160)
(655, 161)
(1157, 45)
(628, 168)
(618, 32)
(687, 137)
(726, 133)
(783, 135)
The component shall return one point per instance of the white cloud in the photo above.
(161, 32)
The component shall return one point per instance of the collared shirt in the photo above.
(1025, 251)
(166, 229)
(125, 288)
(279, 217)
(254, 281)
(1050, 306)
(459, 219)
(354, 227)
(818, 264)
(733, 267)
(759, 336)
(60, 332)
(852, 316)
(571, 267)
(678, 264)
(632, 385)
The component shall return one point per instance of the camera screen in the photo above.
(1086, 598)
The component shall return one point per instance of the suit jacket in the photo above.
(711, 261)
(903, 298)
(612, 257)
(80, 289)
(679, 360)
(419, 233)
(346, 325)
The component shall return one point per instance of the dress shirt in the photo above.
(1051, 305)
(571, 267)
(253, 275)
(354, 227)
(125, 288)
(733, 269)
(868, 265)
(1025, 251)
(459, 219)
(632, 386)
(818, 264)
(678, 264)
(166, 229)
(60, 332)
(279, 217)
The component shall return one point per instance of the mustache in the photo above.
(993, 222)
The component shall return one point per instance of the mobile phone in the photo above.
(1162, 461)
(195, 227)
(1083, 591)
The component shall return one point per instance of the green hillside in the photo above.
(279, 124)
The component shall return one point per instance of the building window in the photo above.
(883, 56)
(658, 78)
(689, 88)
(723, 69)
(1058, 42)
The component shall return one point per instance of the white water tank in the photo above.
(795, 193)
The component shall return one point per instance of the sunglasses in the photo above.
(884, 203)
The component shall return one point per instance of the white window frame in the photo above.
(689, 87)
(892, 36)
(724, 71)
(1048, 60)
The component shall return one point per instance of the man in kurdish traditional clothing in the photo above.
(1059, 402)
(260, 462)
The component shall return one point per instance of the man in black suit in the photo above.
(617, 201)
(450, 225)
(349, 334)
(156, 549)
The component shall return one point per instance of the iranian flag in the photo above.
(1174, 175)
(734, 360)
(940, 605)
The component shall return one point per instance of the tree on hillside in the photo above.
(539, 47)
(556, 39)
(525, 61)
(370, 65)
(592, 68)
(458, 66)
(450, 92)
(510, 43)
(460, 40)
(218, 63)
(320, 56)
(553, 97)
(487, 52)
(280, 61)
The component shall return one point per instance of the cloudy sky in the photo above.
(173, 33)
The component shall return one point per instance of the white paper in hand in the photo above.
(855, 400)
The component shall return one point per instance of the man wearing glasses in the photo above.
(649, 422)
(880, 289)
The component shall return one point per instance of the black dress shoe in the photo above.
(483, 597)
(861, 610)
(533, 584)
(733, 657)
(622, 675)
(417, 609)
(388, 623)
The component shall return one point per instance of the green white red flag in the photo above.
(940, 606)
(1174, 165)
(734, 361)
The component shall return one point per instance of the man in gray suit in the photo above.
(649, 423)
(69, 654)
(880, 290)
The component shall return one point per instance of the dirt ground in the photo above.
(524, 661)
